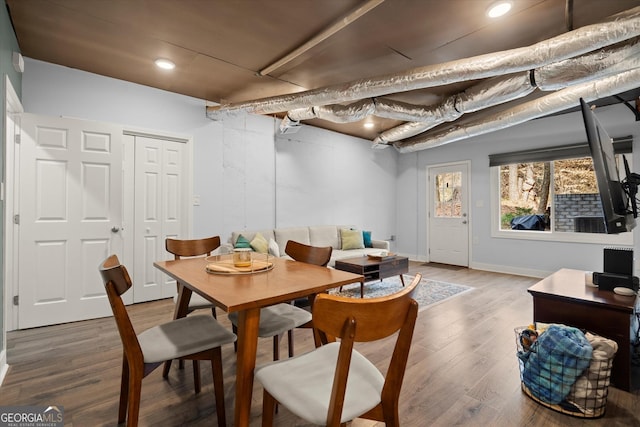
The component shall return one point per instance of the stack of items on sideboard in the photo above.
(618, 272)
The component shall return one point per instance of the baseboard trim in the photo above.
(4, 367)
(413, 257)
(494, 268)
(529, 272)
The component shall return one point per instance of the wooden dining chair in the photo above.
(334, 383)
(192, 338)
(284, 317)
(190, 248)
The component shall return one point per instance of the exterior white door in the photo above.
(448, 214)
(70, 214)
(161, 205)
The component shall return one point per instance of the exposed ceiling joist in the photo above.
(321, 36)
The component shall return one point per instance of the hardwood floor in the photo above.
(462, 367)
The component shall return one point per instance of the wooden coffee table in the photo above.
(374, 268)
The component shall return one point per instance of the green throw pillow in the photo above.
(242, 242)
(260, 244)
(366, 237)
(351, 239)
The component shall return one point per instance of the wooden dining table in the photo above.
(247, 294)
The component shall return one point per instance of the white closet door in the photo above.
(70, 214)
(160, 211)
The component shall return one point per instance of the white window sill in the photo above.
(625, 239)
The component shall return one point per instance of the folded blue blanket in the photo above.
(558, 357)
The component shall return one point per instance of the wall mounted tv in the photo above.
(618, 197)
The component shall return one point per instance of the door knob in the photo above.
(464, 222)
(115, 229)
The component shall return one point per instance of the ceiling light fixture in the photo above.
(165, 64)
(368, 125)
(499, 8)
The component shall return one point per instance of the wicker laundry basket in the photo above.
(587, 392)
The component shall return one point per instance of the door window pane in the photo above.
(448, 187)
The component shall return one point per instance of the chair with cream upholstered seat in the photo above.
(284, 317)
(191, 337)
(189, 248)
(334, 383)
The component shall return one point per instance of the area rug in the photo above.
(429, 293)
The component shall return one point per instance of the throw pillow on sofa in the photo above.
(351, 239)
(242, 242)
(366, 237)
(274, 249)
(259, 244)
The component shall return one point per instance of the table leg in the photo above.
(318, 338)
(248, 322)
(182, 305)
(402, 279)
(362, 289)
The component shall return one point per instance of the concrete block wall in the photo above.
(571, 206)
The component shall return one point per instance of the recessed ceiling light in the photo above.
(368, 125)
(165, 64)
(499, 8)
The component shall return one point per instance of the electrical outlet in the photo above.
(196, 200)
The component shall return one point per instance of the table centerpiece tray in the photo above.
(218, 265)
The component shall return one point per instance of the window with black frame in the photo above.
(551, 190)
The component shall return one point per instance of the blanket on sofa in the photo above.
(556, 359)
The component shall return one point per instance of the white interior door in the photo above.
(448, 214)
(161, 211)
(70, 200)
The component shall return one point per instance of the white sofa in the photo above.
(321, 235)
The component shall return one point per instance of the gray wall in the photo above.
(247, 176)
(8, 45)
(499, 254)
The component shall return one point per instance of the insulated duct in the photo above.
(554, 76)
(549, 104)
(622, 26)
(587, 67)
(485, 94)
(488, 93)
(380, 107)
(335, 113)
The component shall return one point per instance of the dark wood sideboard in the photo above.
(565, 298)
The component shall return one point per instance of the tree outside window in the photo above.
(529, 202)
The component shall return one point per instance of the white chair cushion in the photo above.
(277, 319)
(303, 384)
(196, 302)
(181, 337)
